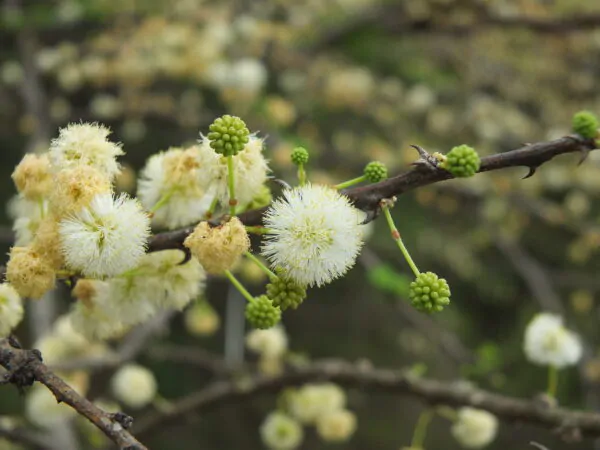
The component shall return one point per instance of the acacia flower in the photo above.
(134, 385)
(106, 238)
(548, 342)
(11, 309)
(314, 234)
(336, 426)
(474, 428)
(281, 432)
(269, 343)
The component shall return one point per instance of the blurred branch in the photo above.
(367, 198)
(195, 356)
(568, 423)
(24, 367)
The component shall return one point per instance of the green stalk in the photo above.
(301, 175)
(421, 429)
(257, 230)
(552, 381)
(447, 413)
(259, 263)
(231, 185)
(212, 207)
(161, 202)
(398, 239)
(239, 286)
(351, 182)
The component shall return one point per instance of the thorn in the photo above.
(531, 172)
(187, 255)
(372, 214)
(425, 159)
(281, 183)
(584, 154)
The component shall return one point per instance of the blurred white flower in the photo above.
(474, 428)
(336, 426)
(134, 385)
(281, 432)
(27, 216)
(11, 309)
(270, 343)
(548, 342)
(312, 401)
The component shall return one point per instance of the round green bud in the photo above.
(261, 313)
(585, 124)
(228, 135)
(462, 161)
(375, 172)
(285, 293)
(299, 156)
(428, 293)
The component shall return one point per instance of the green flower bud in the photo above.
(299, 156)
(285, 293)
(375, 172)
(585, 124)
(462, 161)
(228, 135)
(261, 313)
(428, 293)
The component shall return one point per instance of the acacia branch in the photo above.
(24, 367)
(569, 423)
(367, 198)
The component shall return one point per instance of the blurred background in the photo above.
(352, 81)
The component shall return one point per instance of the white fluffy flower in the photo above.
(270, 343)
(27, 216)
(281, 432)
(249, 166)
(315, 234)
(312, 401)
(107, 238)
(11, 309)
(548, 342)
(174, 175)
(336, 426)
(474, 428)
(85, 144)
(92, 323)
(134, 385)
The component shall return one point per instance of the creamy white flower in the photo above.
(270, 343)
(26, 215)
(281, 432)
(201, 319)
(548, 342)
(315, 234)
(92, 323)
(11, 309)
(107, 238)
(336, 426)
(250, 171)
(187, 196)
(311, 401)
(474, 428)
(134, 385)
(85, 144)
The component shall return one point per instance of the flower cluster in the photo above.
(547, 342)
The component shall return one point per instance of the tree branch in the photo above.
(568, 423)
(24, 367)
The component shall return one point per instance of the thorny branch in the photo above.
(24, 367)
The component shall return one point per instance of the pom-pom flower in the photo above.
(32, 176)
(548, 342)
(314, 234)
(281, 432)
(261, 313)
(428, 293)
(228, 135)
(75, 188)
(312, 401)
(107, 238)
(336, 426)
(11, 309)
(134, 385)
(30, 274)
(474, 428)
(462, 161)
(85, 144)
(271, 343)
(585, 123)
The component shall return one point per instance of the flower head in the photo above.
(134, 385)
(26, 215)
(85, 144)
(11, 309)
(548, 342)
(315, 234)
(29, 273)
(474, 428)
(75, 188)
(312, 401)
(336, 426)
(269, 343)
(107, 238)
(32, 176)
(281, 432)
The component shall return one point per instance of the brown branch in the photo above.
(24, 367)
(569, 423)
(367, 198)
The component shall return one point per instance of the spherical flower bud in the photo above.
(201, 319)
(261, 313)
(11, 309)
(75, 188)
(270, 344)
(462, 161)
(375, 171)
(548, 342)
(314, 234)
(32, 176)
(428, 293)
(285, 293)
(30, 274)
(218, 248)
(134, 385)
(85, 144)
(228, 135)
(585, 123)
(107, 238)
(474, 428)
(312, 401)
(299, 156)
(281, 432)
(336, 426)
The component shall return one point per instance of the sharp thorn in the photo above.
(584, 154)
(532, 170)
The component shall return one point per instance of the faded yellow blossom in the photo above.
(30, 274)
(32, 176)
(75, 188)
(47, 242)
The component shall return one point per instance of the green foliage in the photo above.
(429, 293)
(299, 156)
(285, 293)
(228, 135)
(585, 123)
(375, 171)
(261, 313)
(462, 161)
